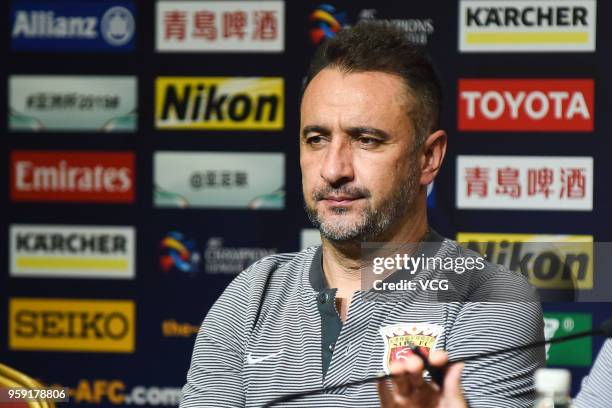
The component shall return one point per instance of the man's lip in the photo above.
(341, 199)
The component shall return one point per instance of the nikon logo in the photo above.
(538, 25)
(549, 261)
(219, 103)
(71, 325)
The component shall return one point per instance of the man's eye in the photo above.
(314, 140)
(369, 141)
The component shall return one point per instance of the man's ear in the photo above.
(432, 155)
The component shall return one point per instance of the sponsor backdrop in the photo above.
(151, 154)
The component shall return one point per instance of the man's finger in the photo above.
(401, 383)
(409, 376)
(384, 393)
(438, 358)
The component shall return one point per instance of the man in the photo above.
(596, 391)
(369, 146)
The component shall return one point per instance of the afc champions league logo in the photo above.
(399, 337)
(179, 254)
(117, 26)
(325, 23)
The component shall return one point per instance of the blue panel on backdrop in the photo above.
(73, 25)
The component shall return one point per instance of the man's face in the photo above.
(360, 173)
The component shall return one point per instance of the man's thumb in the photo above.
(452, 382)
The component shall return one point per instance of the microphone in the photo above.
(437, 373)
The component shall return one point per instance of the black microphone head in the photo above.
(606, 328)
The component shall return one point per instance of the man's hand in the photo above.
(409, 389)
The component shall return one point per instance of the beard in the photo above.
(373, 224)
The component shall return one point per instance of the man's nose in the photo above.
(337, 167)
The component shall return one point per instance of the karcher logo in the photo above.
(219, 103)
(70, 251)
(556, 16)
(543, 25)
(549, 261)
(71, 325)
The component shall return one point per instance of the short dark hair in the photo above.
(379, 45)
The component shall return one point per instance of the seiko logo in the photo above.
(64, 177)
(74, 325)
(560, 16)
(35, 24)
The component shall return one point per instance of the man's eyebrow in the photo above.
(315, 129)
(360, 130)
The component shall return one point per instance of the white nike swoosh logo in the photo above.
(250, 360)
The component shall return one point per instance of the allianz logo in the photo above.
(116, 26)
(47, 24)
